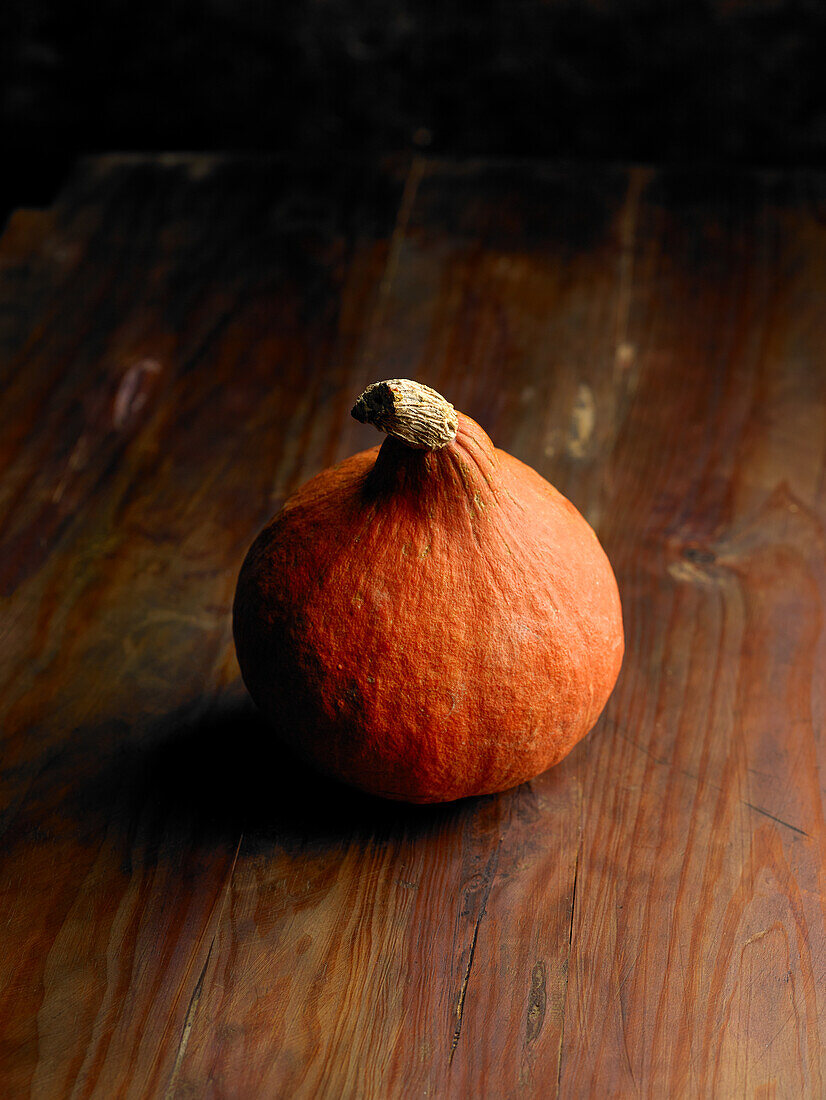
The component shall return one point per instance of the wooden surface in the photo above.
(184, 912)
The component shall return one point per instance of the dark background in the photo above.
(734, 81)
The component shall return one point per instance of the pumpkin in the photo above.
(429, 619)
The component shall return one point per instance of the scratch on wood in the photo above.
(195, 999)
(624, 1025)
(789, 1017)
(779, 820)
(490, 875)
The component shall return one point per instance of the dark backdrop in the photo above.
(651, 80)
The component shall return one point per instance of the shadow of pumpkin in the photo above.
(210, 779)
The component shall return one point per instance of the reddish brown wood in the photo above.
(186, 912)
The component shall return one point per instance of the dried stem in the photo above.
(414, 413)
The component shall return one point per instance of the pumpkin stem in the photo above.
(413, 413)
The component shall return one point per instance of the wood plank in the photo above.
(172, 309)
(697, 963)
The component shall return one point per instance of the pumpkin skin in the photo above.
(429, 624)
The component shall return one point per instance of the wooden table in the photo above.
(185, 912)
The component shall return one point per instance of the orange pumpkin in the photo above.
(429, 619)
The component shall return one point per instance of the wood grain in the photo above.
(186, 912)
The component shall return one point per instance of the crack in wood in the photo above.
(490, 875)
(567, 968)
(192, 1008)
(573, 901)
(195, 999)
